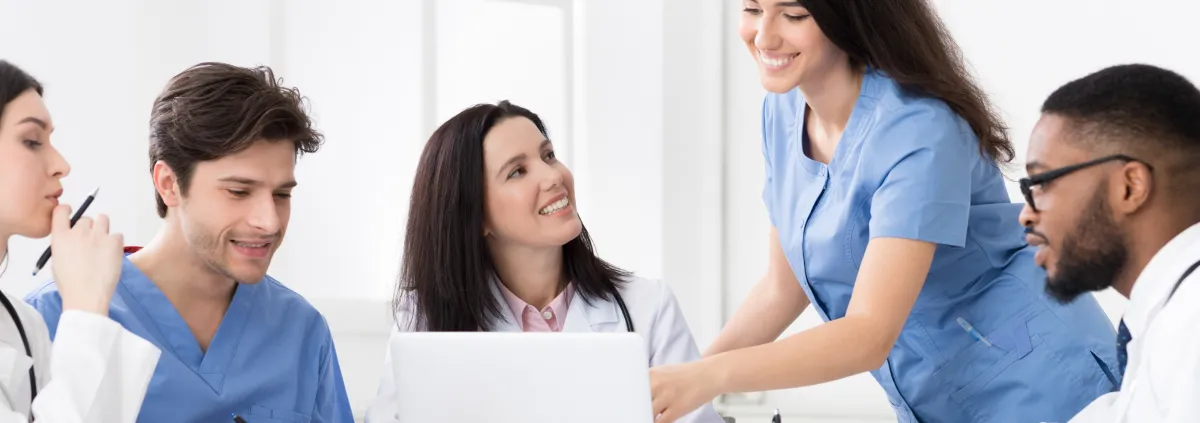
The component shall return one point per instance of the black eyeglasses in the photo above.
(1028, 183)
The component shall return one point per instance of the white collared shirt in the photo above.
(1162, 378)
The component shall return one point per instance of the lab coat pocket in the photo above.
(266, 414)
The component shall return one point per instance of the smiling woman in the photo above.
(494, 243)
(889, 215)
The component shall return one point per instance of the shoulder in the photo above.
(276, 299)
(901, 124)
(46, 300)
(647, 294)
(897, 114)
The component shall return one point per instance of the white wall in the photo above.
(660, 123)
(379, 76)
(1021, 50)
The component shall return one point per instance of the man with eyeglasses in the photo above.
(1113, 200)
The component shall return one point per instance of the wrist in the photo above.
(90, 306)
(714, 374)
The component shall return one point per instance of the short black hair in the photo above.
(1144, 110)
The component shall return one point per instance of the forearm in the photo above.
(825, 353)
(767, 312)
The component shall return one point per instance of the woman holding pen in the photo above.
(891, 219)
(95, 371)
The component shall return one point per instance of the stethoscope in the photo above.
(25, 340)
(624, 311)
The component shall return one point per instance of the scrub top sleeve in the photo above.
(924, 158)
(332, 404)
(49, 305)
(766, 151)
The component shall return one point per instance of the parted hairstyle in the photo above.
(213, 110)
(447, 269)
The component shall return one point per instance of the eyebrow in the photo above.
(252, 182)
(35, 121)
(1034, 165)
(788, 4)
(519, 158)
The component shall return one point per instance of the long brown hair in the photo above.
(446, 271)
(907, 41)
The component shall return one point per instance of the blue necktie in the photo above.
(1123, 339)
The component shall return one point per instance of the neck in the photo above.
(4, 253)
(534, 276)
(186, 280)
(1156, 232)
(832, 97)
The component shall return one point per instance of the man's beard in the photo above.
(1092, 255)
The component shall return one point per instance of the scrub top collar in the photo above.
(867, 97)
(152, 306)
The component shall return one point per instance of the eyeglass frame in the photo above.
(1043, 178)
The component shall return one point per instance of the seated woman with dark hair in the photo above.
(494, 243)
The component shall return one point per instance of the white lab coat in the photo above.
(94, 372)
(652, 307)
(1162, 377)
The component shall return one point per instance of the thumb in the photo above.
(60, 220)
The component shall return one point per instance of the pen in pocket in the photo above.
(974, 333)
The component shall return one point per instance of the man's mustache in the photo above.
(1030, 231)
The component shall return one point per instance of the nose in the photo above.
(552, 177)
(1028, 216)
(59, 168)
(265, 215)
(765, 37)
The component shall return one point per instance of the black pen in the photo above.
(238, 419)
(78, 213)
(776, 419)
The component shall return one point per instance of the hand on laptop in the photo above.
(678, 389)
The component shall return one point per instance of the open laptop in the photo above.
(476, 377)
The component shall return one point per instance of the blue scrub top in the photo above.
(272, 359)
(909, 167)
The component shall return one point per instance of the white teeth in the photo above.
(556, 206)
(242, 244)
(775, 63)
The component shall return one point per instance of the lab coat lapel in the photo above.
(596, 317)
(508, 322)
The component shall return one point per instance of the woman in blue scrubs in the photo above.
(890, 217)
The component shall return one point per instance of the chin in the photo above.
(569, 233)
(778, 84)
(249, 277)
(38, 231)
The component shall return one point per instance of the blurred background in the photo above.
(654, 104)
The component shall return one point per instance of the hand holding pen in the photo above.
(87, 259)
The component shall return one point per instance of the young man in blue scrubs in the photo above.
(223, 147)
